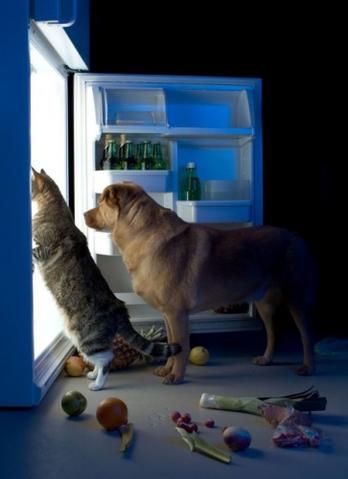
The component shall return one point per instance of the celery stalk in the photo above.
(126, 436)
(198, 444)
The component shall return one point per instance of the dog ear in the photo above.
(110, 195)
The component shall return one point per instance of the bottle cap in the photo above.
(192, 164)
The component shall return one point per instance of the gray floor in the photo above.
(44, 443)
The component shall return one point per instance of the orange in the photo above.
(112, 413)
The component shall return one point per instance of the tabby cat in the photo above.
(92, 313)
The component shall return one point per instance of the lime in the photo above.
(74, 403)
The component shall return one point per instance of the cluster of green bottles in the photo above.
(132, 156)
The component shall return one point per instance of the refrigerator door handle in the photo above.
(61, 12)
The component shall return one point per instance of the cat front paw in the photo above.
(92, 374)
(93, 386)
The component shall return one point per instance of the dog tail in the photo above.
(143, 345)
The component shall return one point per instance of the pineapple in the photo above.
(124, 354)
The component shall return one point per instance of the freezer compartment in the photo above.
(208, 108)
(122, 106)
(214, 211)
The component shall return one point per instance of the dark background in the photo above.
(292, 52)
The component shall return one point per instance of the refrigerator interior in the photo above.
(214, 123)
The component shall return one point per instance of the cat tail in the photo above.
(143, 345)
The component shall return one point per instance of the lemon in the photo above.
(199, 356)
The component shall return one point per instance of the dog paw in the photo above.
(261, 361)
(161, 371)
(172, 379)
(305, 370)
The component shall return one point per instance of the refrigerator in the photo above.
(214, 122)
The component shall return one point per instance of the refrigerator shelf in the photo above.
(143, 316)
(215, 211)
(155, 181)
(178, 132)
(103, 244)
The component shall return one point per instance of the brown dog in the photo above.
(182, 268)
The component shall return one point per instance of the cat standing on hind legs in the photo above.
(92, 314)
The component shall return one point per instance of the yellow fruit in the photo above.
(74, 366)
(199, 356)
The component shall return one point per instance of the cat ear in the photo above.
(39, 180)
(43, 172)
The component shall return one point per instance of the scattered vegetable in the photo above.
(175, 415)
(74, 403)
(194, 427)
(209, 423)
(186, 418)
(184, 421)
(197, 444)
(308, 400)
(127, 433)
(112, 413)
(236, 438)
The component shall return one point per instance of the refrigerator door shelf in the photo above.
(103, 244)
(215, 211)
(156, 181)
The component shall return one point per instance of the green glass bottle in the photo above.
(159, 162)
(128, 156)
(111, 160)
(105, 163)
(191, 185)
(147, 156)
(140, 155)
